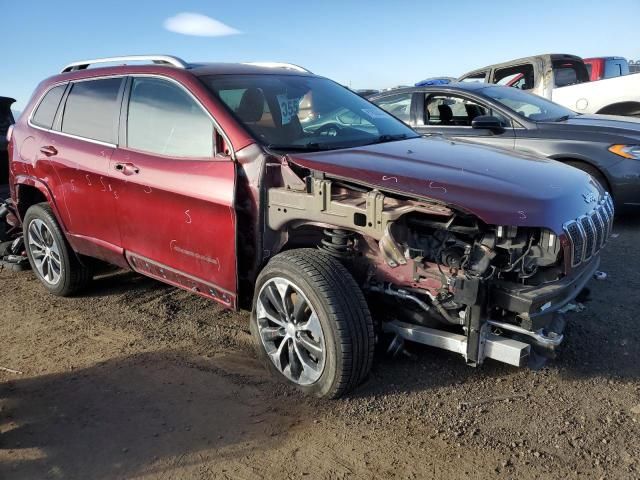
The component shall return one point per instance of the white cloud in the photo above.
(188, 23)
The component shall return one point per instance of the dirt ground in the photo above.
(135, 379)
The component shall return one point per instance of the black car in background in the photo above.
(6, 120)
(605, 146)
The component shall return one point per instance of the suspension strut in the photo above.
(338, 242)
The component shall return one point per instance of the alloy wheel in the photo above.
(290, 331)
(45, 251)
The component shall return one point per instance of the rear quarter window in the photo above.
(46, 111)
(91, 110)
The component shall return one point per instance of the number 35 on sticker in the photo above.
(289, 107)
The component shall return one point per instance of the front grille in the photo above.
(588, 233)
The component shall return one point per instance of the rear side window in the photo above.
(92, 109)
(163, 119)
(569, 73)
(46, 111)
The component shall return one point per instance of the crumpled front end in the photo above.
(439, 275)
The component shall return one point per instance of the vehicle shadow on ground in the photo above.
(144, 413)
(602, 341)
(114, 282)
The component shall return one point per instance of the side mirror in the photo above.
(487, 122)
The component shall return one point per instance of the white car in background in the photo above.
(565, 80)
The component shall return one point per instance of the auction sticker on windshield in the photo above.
(289, 107)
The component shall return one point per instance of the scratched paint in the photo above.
(434, 186)
(188, 216)
(173, 246)
(385, 178)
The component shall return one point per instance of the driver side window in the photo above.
(451, 110)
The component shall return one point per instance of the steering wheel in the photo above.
(329, 129)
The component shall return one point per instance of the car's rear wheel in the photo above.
(311, 323)
(50, 255)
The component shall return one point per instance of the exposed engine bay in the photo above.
(432, 267)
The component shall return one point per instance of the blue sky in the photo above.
(358, 43)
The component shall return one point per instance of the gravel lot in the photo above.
(137, 379)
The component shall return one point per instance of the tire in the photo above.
(341, 333)
(594, 172)
(60, 272)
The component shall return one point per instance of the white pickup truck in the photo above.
(565, 80)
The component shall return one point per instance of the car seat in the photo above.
(446, 115)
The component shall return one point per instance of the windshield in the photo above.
(528, 105)
(290, 112)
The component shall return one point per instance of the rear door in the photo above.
(79, 147)
(175, 195)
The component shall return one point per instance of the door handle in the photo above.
(49, 150)
(127, 168)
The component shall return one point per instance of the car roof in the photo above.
(457, 86)
(551, 56)
(81, 71)
(207, 68)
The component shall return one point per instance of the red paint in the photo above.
(597, 68)
(182, 221)
(500, 188)
(178, 213)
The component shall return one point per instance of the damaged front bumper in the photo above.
(540, 331)
(536, 306)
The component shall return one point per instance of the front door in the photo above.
(174, 196)
(452, 115)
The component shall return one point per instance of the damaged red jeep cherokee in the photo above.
(265, 186)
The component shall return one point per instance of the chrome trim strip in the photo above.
(158, 59)
(587, 254)
(603, 226)
(602, 215)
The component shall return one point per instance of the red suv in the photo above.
(266, 186)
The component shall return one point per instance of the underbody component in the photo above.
(505, 350)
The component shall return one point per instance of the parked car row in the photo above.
(606, 147)
(336, 222)
(565, 79)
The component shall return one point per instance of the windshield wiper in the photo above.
(308, 147)
(390, 138)
(562, 118)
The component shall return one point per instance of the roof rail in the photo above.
(289, 66)
(159, 59)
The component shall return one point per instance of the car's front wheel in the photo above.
(50, 255)
(311, 323)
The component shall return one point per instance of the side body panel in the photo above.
(180, 214)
